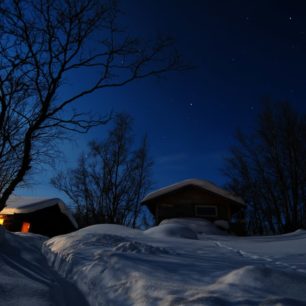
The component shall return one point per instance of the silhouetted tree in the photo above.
(43, 43)
(268, 169)
(110, 180)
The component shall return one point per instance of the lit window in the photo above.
(206, 211)
(1, 220)
(25, 227)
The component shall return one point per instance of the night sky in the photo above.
(242, 51)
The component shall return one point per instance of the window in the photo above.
(25, 227)
(206, 211)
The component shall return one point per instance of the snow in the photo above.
(22, 204)
(206, 185)
(172, 230)
(189, 228)
(200, 226)
(223, 224)
(179, 262)
(26, 278)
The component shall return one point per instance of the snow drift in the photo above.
(114, 265)
(26, 278)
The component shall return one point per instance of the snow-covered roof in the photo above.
(22, 205)
(206, 185)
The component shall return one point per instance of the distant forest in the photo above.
(267, 168)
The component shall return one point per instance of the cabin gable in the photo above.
(192, 201)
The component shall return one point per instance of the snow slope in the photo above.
(25, 277)
(181, 262)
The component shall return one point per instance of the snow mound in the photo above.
(223, 224)
(171, 230)
(26, 278)
(187, 228)
(262, 281)
(107, 229)
(101, 236)
(104, 261)
(199, 226)
(114, 265)
(140, 248)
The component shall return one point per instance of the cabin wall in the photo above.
(182, 204)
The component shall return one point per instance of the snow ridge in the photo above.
(113, 265)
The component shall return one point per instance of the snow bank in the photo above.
(199, 226)
(171, 230)
(261, 284)
(102, 261)
(223, 224)
(188, 228)
(113, 265)
(26, 278)
(258, 278)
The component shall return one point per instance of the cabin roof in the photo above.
(22, 205)
(203, 184)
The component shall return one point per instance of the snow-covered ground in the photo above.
(25, 277)
(180, 262)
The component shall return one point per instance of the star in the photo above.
(290, 18)
(190, 104)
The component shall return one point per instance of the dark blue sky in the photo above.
(242, 51)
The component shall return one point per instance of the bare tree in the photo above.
(110, 180)
(268, 169)
(44, 42)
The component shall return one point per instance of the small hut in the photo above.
(194, 198)
(45, 216)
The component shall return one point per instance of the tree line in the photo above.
(110, 179)
(267, 168)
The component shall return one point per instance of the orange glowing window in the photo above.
(1, 221)
(25, 227)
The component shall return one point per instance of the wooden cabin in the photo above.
(45, 216)
(194, 198)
